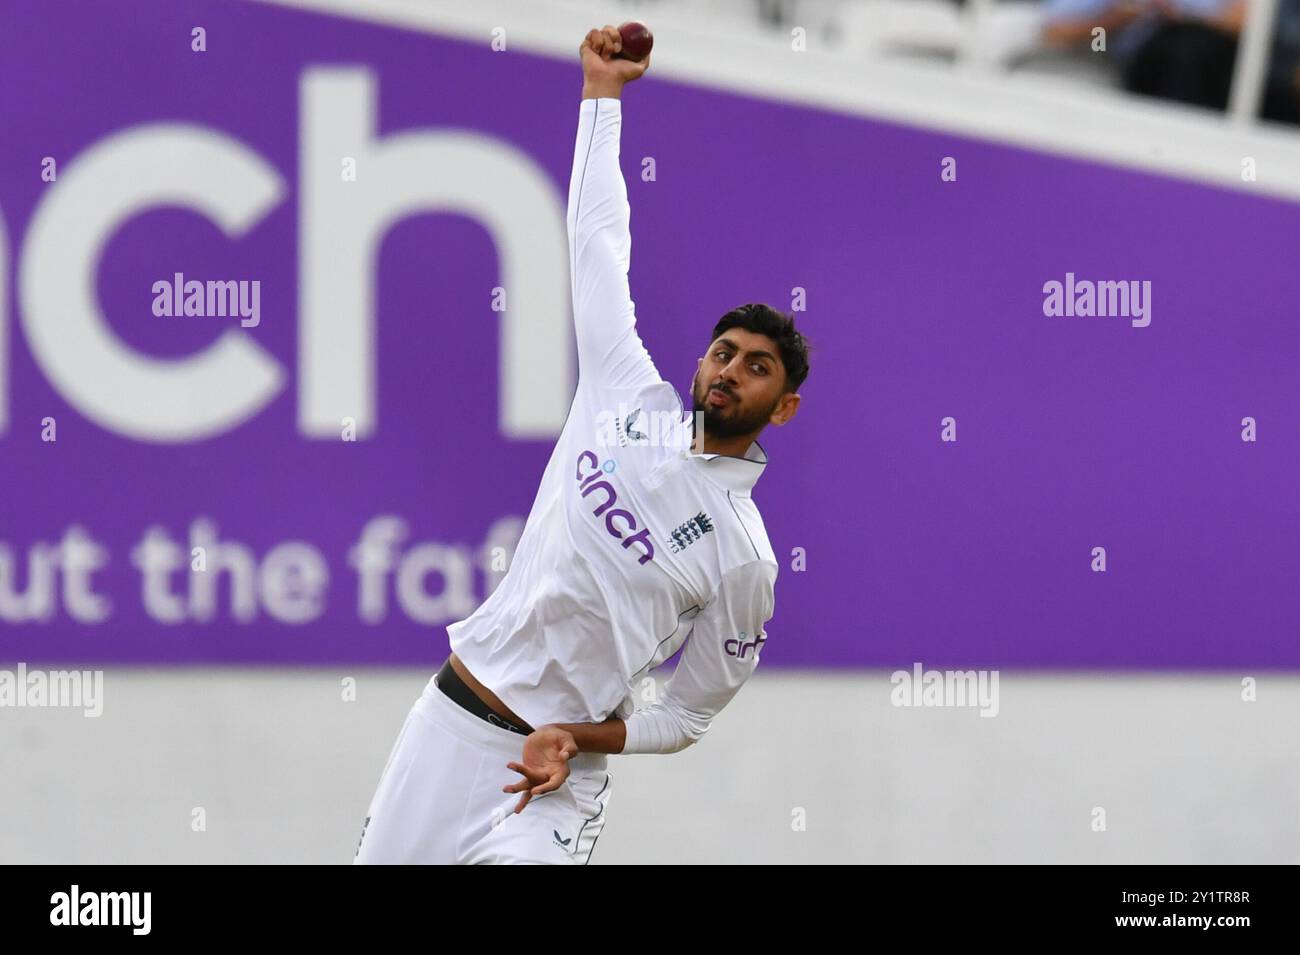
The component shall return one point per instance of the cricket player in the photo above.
(643, 537)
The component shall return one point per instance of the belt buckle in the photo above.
(504, 723)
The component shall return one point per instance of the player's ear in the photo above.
(785, 408)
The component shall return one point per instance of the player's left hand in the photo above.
(545, 765)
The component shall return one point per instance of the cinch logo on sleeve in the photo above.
(590, 481)
(741, 648)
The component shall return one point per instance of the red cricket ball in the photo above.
(637, 41)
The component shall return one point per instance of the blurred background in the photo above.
(255, 525)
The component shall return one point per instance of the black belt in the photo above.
(458, 690)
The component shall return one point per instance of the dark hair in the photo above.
(778, 326)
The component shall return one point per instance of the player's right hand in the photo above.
(545, 764)
(599, 68)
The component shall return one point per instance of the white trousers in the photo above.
(440, 802)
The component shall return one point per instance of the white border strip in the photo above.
(1042, 113)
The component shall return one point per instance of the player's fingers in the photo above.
(533, 775)
(523, 801)
(552, 783)
(614, 37)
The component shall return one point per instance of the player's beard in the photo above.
(729, 421)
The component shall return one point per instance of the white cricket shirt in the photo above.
(634, 544)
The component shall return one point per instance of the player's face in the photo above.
(739, 384)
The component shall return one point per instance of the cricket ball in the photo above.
(637, 41)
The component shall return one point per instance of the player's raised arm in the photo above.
(610, 352)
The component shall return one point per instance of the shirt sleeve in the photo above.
(720, 654)
(610, 352)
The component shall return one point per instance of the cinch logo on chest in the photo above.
(590, 481)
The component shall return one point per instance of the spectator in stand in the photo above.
(1180, 50)
(1282, 93)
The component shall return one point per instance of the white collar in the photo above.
(736, 474)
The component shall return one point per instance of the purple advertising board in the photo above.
(961, 455)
